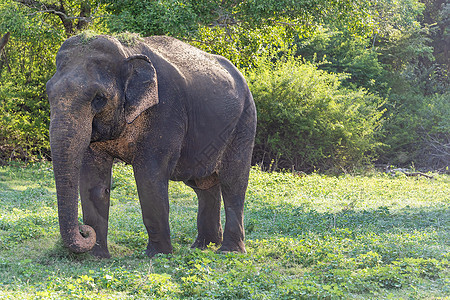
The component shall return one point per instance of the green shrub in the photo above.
(342, 51)
(24, 69)
(307, 120)
(418, 131)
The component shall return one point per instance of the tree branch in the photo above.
(58, 9)
(3, 41)
(63, 15)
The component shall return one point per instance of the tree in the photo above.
(30, 53)
(185, 17)
(75, 16)
(396, 50)
(437, 17)
(417, 106)
(239, 30)
(38, 28)
(3, 41)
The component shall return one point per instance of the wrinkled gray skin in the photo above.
(171, 111)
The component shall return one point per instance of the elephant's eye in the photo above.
(99, 102)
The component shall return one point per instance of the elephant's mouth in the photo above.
(105, 132)
(96, 137)
(100, 133)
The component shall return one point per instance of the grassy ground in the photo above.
(370, 237)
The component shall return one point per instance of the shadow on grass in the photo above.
(292, 221)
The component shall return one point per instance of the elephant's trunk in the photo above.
(68, 140)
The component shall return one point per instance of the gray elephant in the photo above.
(171, 111)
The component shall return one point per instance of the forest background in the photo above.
(338, 84)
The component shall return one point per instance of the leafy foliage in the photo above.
(184, 18)
(237, 30)
(396, 62)
(417, 130)
(37, 29)
(28, 64)
(339, 52)
(71, 16)
(307, 120)
(396, 50)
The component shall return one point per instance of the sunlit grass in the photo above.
(377, 236)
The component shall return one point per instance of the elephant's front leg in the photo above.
(95, 185)
(153, 196)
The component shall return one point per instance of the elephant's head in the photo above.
(99, 86)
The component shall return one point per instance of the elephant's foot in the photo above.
(153, 249)
(234, 248)
(151, 252)
(202, 243)
(100, 252)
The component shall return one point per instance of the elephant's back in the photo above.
(184, 56)
(199, 69)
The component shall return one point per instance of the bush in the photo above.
(307, 120)
(418, 131)
(27, 65)
(341, 51)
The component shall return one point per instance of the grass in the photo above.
(311, 237)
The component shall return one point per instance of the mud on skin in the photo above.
(171, 111)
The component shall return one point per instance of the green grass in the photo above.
(312, 237)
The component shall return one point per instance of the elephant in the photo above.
(168, 109)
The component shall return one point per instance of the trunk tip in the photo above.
(82, 240)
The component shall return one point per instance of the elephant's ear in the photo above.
(141, 86)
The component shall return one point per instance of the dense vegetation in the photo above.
(310, 237)
(337, 83)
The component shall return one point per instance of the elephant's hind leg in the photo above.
(233, 182)
(208, 218)
(233, 193)
(233, 178)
